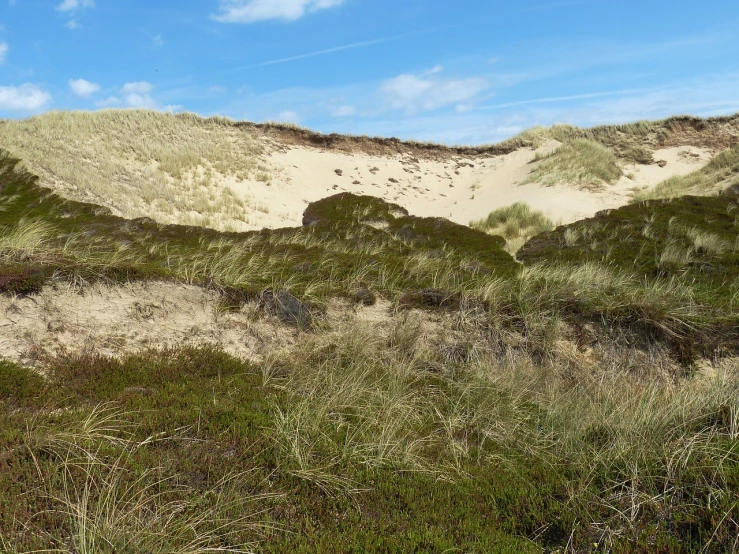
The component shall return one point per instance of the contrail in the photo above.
(563, 98)
(344, 47)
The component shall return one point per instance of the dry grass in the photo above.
(139, 162)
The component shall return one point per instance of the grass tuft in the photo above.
(582, 163)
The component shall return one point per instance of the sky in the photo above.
(457, 72)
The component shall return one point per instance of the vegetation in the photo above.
(582, 163)
(136, 161)
(516, 223)
(586, 400)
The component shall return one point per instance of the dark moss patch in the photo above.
(19, 385)
(429, 298)
(365, 297)
(691, 239)
(351, 208)
(22, 279)
(636, 237)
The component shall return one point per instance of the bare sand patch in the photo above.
(123, 319)
(116, 320)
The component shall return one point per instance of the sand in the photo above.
(115, 320)
(458, 188)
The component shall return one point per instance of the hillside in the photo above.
(238, 176)
(210, 341)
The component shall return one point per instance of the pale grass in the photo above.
(581, 163)
(139, 162)
(516, 223)
(25, 239)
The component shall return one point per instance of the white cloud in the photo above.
(109, 102)
(217, 89)
(83, 88)
(250, 11)
(158, 40)
(413, 94)
(72, 5)
(288, 116)
(344, 111)
(138, 87)
(3, 51)
(23, 98)
(72, 24)
(134, 100)
(137, 95)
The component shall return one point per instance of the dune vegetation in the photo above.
(133, 161)
(581, 163)
(435, 395)
(516, 223)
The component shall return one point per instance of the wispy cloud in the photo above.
(72, 5)
(288, 116)
(554, 99)
(137, 94)
(559, 4)
(83, 88)
(3, 51)
(343, 47)
(252, 11)
(344, 111)
(25, 98)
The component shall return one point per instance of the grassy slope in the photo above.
(387, 442)
(136, 161)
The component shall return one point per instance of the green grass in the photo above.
(516, 223)
(582, 163)
(191, 451)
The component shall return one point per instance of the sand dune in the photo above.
(239, 177)
(457, 187)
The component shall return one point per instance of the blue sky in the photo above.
(462, 72)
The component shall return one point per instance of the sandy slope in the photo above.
(121, 319)
(458, 188)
